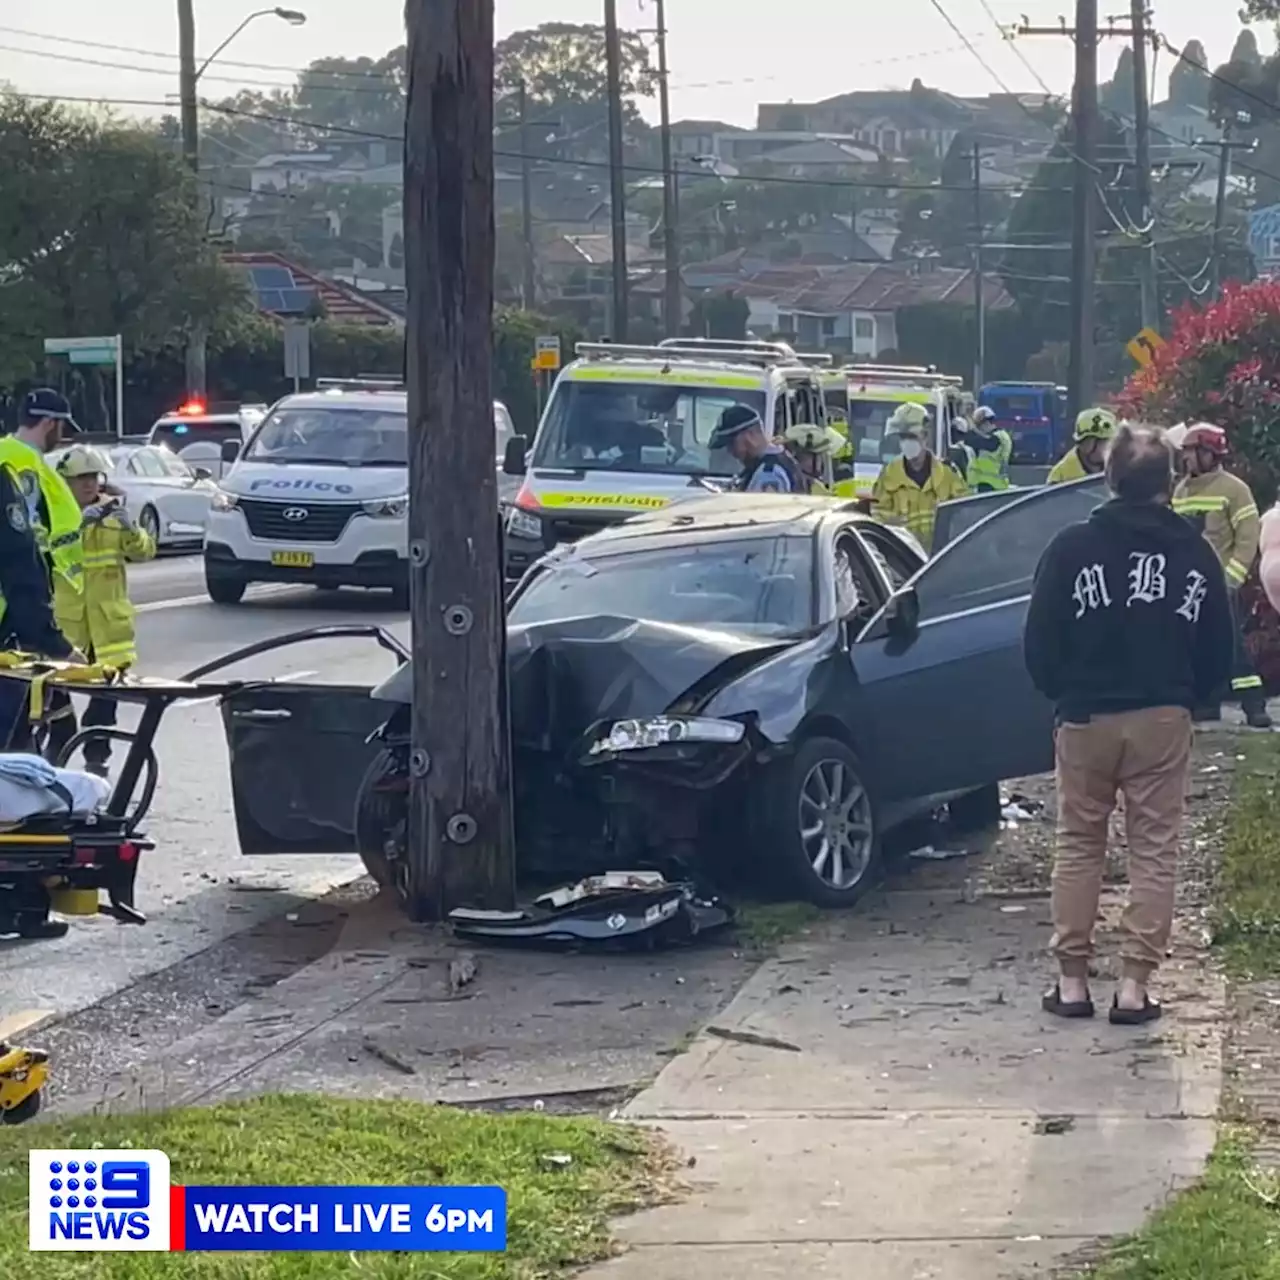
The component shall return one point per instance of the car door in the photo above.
(188, 498)
(945, 695)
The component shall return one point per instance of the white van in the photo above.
(319, 494)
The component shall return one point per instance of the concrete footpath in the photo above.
(887, 1101)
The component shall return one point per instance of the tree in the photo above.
(1189, 79)
(1246, 49)
(1260, 11)
(356, 93)
(562, 66)
(99, 233)
(1119, 92)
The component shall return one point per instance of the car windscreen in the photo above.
(178, 433)
(760, 585)
(1031, 405)
(327, 436)
(633, 426)
(868, 423)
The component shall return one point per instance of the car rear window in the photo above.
(176, 433)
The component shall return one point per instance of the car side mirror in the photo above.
(203, 473)
(230, 450)
(514, 461)
(902, 614)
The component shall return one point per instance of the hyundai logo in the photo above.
(295, 513)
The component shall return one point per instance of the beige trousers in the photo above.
(1145, 756)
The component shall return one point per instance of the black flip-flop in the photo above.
(1052, 1002)
(1149, 1012)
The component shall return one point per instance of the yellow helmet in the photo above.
(908, 419)
(1095, 424)
(83, 460)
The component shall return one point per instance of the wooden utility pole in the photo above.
(1148, 271)
(529, 293)
(979, 271)
(672, 294)
(197, 341)
(461, 842)
(1225, 147)
(617, 175)
(1084, 206)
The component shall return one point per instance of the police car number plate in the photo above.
(293, 559)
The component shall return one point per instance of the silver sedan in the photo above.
(169, 498)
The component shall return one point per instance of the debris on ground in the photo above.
(751, 1037)
(615, 910)
(375, 1050)
(928, 853)
(462, 970)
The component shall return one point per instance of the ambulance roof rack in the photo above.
(365, 382)
(763, 353)
(815, 359)
(902, 373)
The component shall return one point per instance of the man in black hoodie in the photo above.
(1128, 629)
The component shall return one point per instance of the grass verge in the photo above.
(1246, 917)
(762, 926)
(557, 1214)
(1227, 1226)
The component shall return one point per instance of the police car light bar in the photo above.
(360, 384)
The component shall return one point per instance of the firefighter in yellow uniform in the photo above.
(1094, 427)
(1221, 506)
(910, 488)
(99, 620)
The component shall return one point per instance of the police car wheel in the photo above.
(149, 522)
(224, 588)
(823, 827)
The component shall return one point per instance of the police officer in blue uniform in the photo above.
(766, 467)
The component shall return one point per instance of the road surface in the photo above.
(196, 888)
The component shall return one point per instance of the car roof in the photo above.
(718, 516)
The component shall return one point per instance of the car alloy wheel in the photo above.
(149, 523)
(835, 824)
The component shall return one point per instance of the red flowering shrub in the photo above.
(1221, 364)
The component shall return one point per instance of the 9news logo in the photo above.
(99, 1200)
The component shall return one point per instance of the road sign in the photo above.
(95, 351)
(547, 352)
(1144, 345)
(297, 351)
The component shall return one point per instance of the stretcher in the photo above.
(87, 864)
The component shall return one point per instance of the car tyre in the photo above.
(976, 811)
(822, 825)
(223, 587)
(379, 814)
(149, 522)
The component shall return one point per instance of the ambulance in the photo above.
(874, 392)
(628, 428)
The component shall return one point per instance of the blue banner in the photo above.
(342, 1219)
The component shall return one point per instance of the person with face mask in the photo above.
(987, 451)
(1222, 508)
(766, 467)
(910, 487)
(1094, 427)
(52, 509)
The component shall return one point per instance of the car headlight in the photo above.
(661, 731)
(523, 525)
(224, 501)
(387, 508)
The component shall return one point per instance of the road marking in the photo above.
(254, 593)
(294, 675)
(16, 1023)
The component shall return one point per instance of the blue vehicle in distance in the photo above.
(1034, 414)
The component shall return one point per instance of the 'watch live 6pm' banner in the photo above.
(124, 1201)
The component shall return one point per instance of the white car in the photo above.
(195, 432)
(169, 499)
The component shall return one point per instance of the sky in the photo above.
(722, 62)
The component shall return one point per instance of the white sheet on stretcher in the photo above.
(30, 786)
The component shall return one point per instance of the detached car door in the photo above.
(948, 696)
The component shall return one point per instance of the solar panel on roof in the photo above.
(271, 299)
(296, 300)
(271, 277)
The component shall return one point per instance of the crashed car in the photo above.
(743, 683)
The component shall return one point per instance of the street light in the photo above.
(293, 17)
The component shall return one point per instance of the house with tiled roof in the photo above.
(284, 290)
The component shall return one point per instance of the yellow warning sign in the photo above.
(1144, 345)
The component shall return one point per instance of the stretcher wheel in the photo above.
(25, 1110)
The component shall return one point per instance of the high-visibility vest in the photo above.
(60, 540)
(989, 468)
(1068, 468)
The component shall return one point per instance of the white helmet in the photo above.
(1176, 435)
(811, 438)
(909, 419)
(984, 413)
(83, 460)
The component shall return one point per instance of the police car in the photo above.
(319, 494)
(628, 429)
